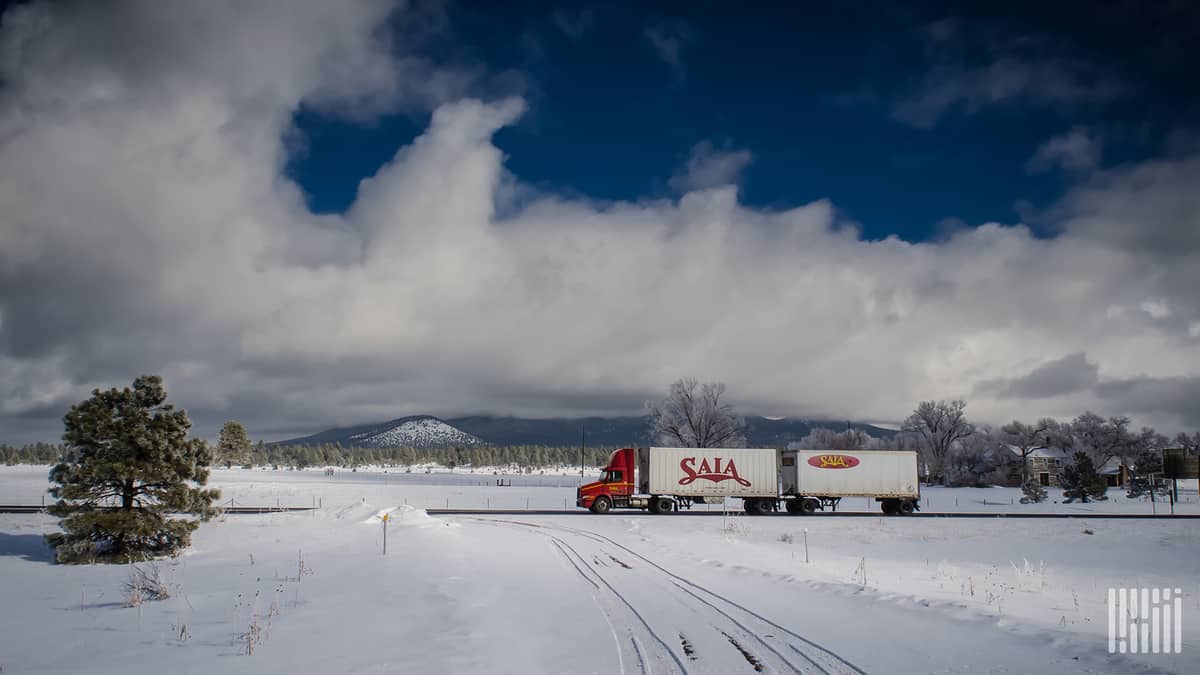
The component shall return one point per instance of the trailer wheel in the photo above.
(905, 508)
(665, 505)
(793, 506)
(889, 506)
(758, 507)
(601, 505)
(808, 506)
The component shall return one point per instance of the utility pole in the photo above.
(582, 444)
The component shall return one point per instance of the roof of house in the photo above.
(1112, 466)
(1049, 453)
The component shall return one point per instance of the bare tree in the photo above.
(938, 425)
(975, 457)
(1102, 439)
(1025, 438)
(1190, 443)
(898, 441)
(823, 438)
(693, 416)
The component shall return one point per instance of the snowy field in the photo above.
(312, 592)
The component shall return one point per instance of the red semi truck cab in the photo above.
(615, 485)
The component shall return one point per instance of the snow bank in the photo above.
(405, 516)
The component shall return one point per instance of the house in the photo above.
(1114, 472)
(1045, 465)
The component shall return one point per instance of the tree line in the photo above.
(261, 454)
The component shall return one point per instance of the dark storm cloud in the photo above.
(1068, 375)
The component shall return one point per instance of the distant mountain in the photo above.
(427, 431)
(417, 431)
(556, 432)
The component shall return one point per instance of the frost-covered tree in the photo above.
(694, 416)
(129, 465)
(1102, 439)
(1079, 480)
(823, 438)
(1189, 443)
(939, 425)
(976, 457)
(233, 445)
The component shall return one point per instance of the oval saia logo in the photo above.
(838, 461)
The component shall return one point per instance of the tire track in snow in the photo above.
(643, 658)
(721, 630)
(822, 654)
(607, 619)
(723, 611)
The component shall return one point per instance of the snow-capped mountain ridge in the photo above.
(417, 431)
(426, 432)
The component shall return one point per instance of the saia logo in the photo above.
(714, 472)
(833, 461)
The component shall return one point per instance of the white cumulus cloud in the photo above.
(147, 226)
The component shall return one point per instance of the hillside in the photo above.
(425, 431)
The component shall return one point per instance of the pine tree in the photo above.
(1147, 473)
(1080, 480)
(233, 445)
(1034, 492)
(128, 466)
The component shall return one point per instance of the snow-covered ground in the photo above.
(593, 594)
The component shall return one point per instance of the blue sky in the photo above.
(812, 92)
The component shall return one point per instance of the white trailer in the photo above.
(816, 479)
(710, 472)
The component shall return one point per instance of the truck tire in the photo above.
(809, 506)
(758, 507)
(793, 506)
(665, 504)
(601, 505)
(755, 506)
(905, 508)
(889, 506)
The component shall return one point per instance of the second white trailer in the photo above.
(817, 479)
